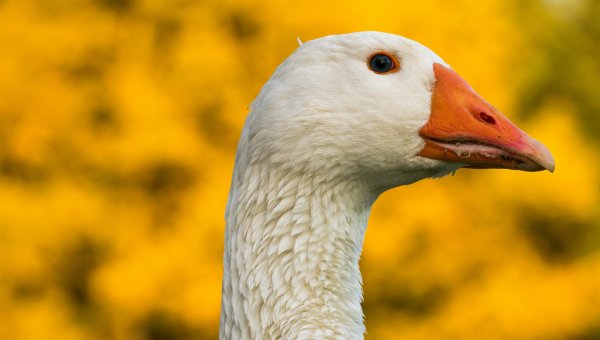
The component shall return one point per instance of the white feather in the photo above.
(324, 138)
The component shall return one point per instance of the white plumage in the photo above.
(325, 136)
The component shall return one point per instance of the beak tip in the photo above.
(542, 156)
(548, 161)
(551, 167)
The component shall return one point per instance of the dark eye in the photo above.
(381, 63)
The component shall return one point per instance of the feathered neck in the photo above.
(292, 247)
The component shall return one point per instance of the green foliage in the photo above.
(562, 65)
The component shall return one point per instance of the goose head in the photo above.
(383, 109)
(343, 119)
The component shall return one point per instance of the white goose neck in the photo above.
(292, 248)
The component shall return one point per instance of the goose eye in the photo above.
(382, 63)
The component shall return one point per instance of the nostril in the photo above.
(487, 118)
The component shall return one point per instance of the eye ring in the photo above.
(383, 63)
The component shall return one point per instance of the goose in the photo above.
(341, 120)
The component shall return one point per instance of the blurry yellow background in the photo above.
(118, 126)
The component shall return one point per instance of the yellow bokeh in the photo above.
(118, 126)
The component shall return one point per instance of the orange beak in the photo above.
(464, 128)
